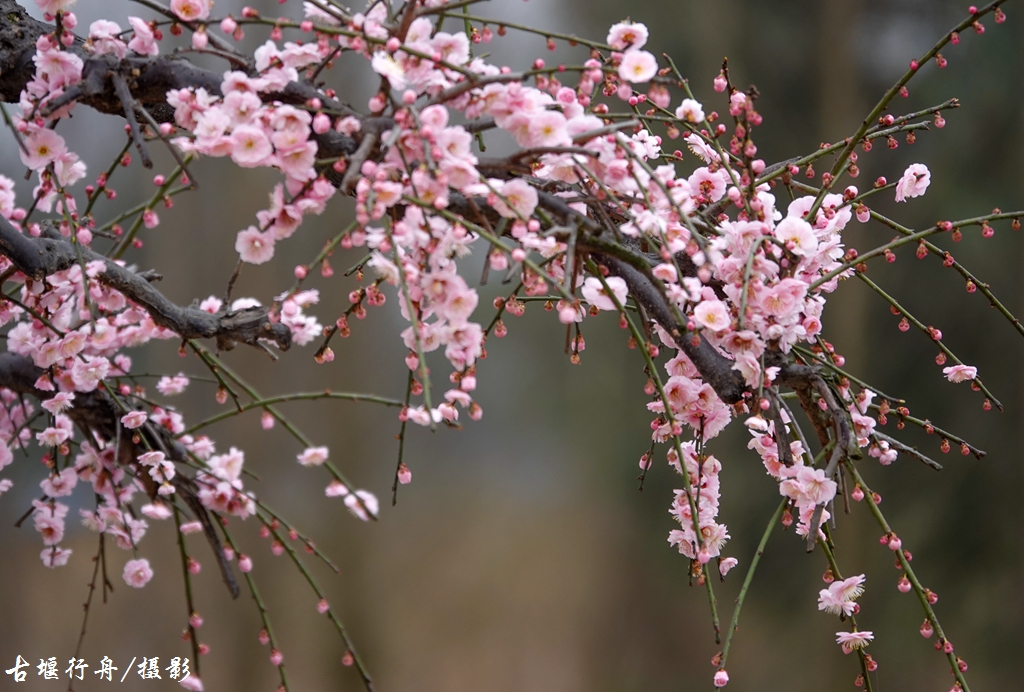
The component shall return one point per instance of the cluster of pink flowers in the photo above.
(705, 489)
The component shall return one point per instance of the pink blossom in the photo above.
(192, 683)
(52, 7)
(627, 35)
(851, 641)
(960, 373)
(914, 182)
(169, 386)
(595, 293)
(52, 437)
(191, 10)
(104, 38)
(711, 185)
(58, 68)
(137, 573)
(133, 419)
(547, 129)
(637, 66)
(713, 314)
(721, 678)
(254, 247)
(521, 199)
(726, 564)
(691, 111)
(58, 403)
(60, 484)
(313, 456)
(386, 66)
(144, 41)
(191, 527)
(43, 147)
(362, 504)
(55, 557)
(798, 236)
(838, 598)
(250, 146)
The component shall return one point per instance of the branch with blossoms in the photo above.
(722, 290)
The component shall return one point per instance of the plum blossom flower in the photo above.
(55, 557)
(721, 678)
(42, 147)
(712, 314)
(104, 38)
(851, 641)
(191, 10)
(59, 402)
(627, 35)
(52, 7)
(521, 199)
(726, 564)
(250, 146)
(362, 504)
(169, 386)
(638, 66)
(960, 373)
(137, 573)
(839, 597)
(387, 67)
(144, 41)
(133, 419)
(798, 236)
(60, 484)
(595, 293)
(254, 247)
(313, 456)
(691, 111)
(914, 182)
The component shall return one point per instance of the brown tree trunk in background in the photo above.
(841, 108)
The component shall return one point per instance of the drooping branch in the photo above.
(40, 257)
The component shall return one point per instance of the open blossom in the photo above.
(42, 147)
(713, 314)
(191, 10)
(362, 504)
(691, 111)
(851, 641)
(839, 597)
(914, 182)
(521, 199)
(144, 41)
(627, 35)
(595, 294)
(638, 66)
(314, 456)
(133, 419)
(59, 402)
(254, 247)
(104, 38)
(169, 386)
(52, 7)
(387, 67)
(960, 373)
(250, 146)
(798, 236)
(137, 573)
(55, 557)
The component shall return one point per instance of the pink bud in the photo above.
(194, 567)
(196, 621)
(721, 678)
(322, 606)
(199, 39)
(276, 657)
(404, 474)
(903, 584)
(895, 543)
(857, 494)
(321, 123)
(263, 637)
(720, 83)
(228, 25)
(244, 563)
(926, 630)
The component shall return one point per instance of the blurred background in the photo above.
(522, 556)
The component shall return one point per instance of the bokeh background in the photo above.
(522, 556)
